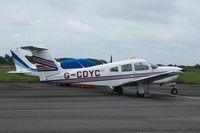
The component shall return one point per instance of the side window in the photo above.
(127, 68)
(141, 66)
(138, 66)
(114, 69)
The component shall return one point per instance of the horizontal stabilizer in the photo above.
(33, 48)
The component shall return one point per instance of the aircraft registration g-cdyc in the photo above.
(133, 72)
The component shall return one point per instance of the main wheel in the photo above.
(117, 90)
(174, 91)
(120, 90)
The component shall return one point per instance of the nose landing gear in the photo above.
(174, 91)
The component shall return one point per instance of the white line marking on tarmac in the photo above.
(186, 97)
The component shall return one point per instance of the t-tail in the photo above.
(45, 64)
(21, 63)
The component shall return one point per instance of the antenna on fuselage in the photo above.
(132, 58)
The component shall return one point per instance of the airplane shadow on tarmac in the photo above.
(51, 91)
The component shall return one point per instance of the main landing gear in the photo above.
(143, 90)
(117, 90)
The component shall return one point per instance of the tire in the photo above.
(118, 91)
(114, 91)
(174, 91)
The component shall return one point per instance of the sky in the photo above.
(160, 31)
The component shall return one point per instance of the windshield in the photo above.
(153, 66)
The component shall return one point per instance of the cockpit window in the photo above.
(114, 69)
(141, 66)
(127, 68)
(153, 66)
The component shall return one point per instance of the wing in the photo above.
(150, 78)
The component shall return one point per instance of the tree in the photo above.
(197, 66)
(2, 60)
(8, 59)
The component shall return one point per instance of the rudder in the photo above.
(21, 62)
(45, 64)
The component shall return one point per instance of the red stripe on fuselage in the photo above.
(40, 68)
(93, 79)
(43, 62)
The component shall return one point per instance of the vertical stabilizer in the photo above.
(21, 62)
(45, 64)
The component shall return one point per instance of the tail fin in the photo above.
(45, 64)
(21, 62)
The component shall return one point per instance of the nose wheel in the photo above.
(117, 90)
(174, 91)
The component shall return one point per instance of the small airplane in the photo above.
(25, 67)
(132, 72)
